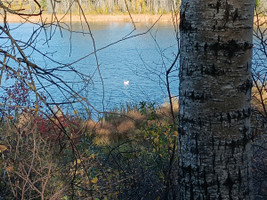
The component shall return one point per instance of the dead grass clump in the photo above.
(136, 115)
(151, 123)
(165, 109)
(164, 112)
(104, 128)
(105, 125)
(102, 132)
(90, 124)
(126, 126)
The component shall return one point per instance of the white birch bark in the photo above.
(215, 85)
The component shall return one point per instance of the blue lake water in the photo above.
(140, 61)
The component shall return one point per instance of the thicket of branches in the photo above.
(259, 103)
(49, 153)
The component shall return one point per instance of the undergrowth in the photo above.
(130, 153)
(125, 155)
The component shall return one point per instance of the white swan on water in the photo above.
(126, 83)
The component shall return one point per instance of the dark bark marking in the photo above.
(229, 183)
(218, 5)
(189, 72)
(205, 185)
(214, 26)
(187, 170)
(219, 145)
(246, 137)
(197, 151)
(218, 185)
(239, 179)
(213, 142)
(215, 6)
(213, 71)
(197, 46)
(229, 118)
(193, 95)
(215, 47)
(205, 47)
(213, 162)
(194, 149)
(235, 15)
(184, 24)
(230, 48)
(182, 19)
(191, 192)
(200, 122)
(201, 97)
(233, 145)
(247, 46)
(226, 13)
(245, 86)
(181, 131)
(239, 115)
(246, 112)
(248, 66)
(188, 120)
(210, 70)
(221, 117)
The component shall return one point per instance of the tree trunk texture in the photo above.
(215, 94)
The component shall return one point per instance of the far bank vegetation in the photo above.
(97, 6)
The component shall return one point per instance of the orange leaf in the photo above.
(175, 133)
(10, 168)
(2, 148)
(9, 117)
(94, 180)
(92, 156)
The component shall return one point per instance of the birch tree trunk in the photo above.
(215, 94)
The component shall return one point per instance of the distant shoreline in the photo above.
(48, 18)
(149, 18)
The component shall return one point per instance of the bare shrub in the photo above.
(259, 97)
(30, 171)
(25, 120)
